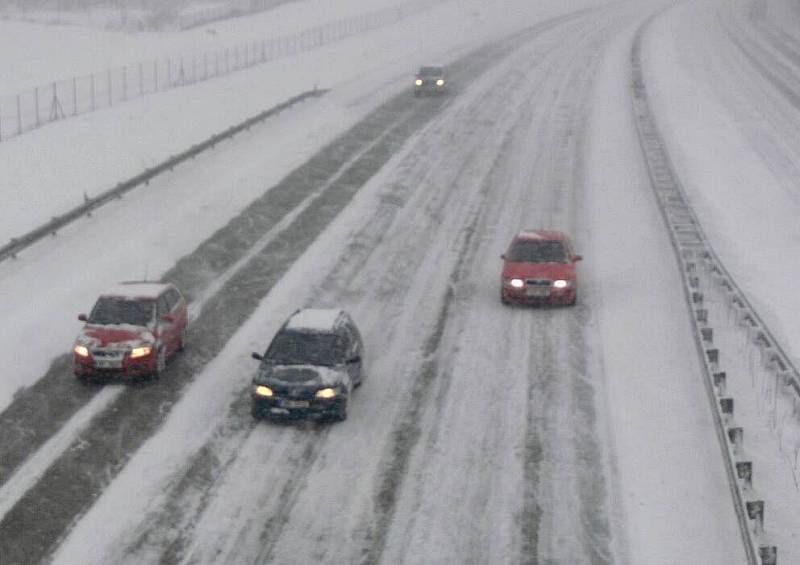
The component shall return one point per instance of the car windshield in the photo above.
(122, 311)
(297, 348)
(431, 71)
(537, 251)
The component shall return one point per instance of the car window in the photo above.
(172, 298)
(299, 348)
(122, 311)
(537, 251)
(163, 306)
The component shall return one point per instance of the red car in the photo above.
(131, 331)
(539, 268)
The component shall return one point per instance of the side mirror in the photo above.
(577, 258)
(257, 356)
(503, 256)
(83, 318)
(168, 318)
(354, 360)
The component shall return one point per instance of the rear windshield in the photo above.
(537, 251)
(302, 348)
(122, 311)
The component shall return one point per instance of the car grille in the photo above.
(538, 282)
(294, 392)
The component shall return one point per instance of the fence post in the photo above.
(124, 83)
(155, 75)
(141, 79)
(74, 96)
(110, 97)
(205, 66)
(169, 73)
(94, 105)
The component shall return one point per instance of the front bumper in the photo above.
(554, 297)
(132, 368)
(291, 408)
(428, 89)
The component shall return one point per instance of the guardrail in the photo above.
(693, 251)
(63, 99)
(17, 244)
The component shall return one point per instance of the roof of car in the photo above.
(314, 319)
(546, 235)
(137, 289)
(433, 69)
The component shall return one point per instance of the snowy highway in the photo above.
(483, 433)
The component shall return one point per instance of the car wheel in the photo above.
(341, 413)
(255, 412)
(161, 364)
(182, 342)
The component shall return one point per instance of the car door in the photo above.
(166, 329)
(354, 351)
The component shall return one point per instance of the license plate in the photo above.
(539, 291)
(108, 363)
(295, 403)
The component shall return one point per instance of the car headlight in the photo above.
(137, 352)
(262, 390)
(440, 82)
(516, 283)
(81, 350)
(560, 283)
(326, 393)
(418, 82)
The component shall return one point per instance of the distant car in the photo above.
(310, 368)
(429, 80)
(131, 331)
(539, 268)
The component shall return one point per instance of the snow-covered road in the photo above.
(484, 434)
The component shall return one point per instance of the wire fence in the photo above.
(41, 105)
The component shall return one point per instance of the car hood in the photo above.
(114, 335)
(539, 270)
(304, 375)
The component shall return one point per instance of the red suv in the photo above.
(131, 331)
(539, 268)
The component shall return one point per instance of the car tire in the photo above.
(341, 413)
(182, 342)
(256, 413)
(161, 364)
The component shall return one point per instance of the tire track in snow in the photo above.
(275, 525)
(161, 529)
(80, 474)
(406, 435)
(38, 412)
